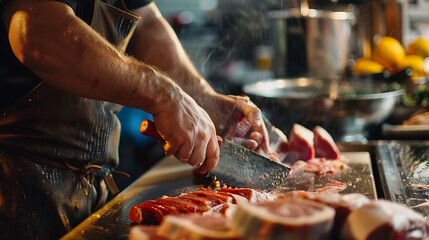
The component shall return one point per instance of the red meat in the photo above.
(324, 145)
(182, 205)
(235, 198)
(154, 211)
(288, 218)
(213, 195)
(252, 195)
(146, 214)
(141, 232)
(191, 226)
(208, 203)
(301, 143)
(343, 204)
(385, 220)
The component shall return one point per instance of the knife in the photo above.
(238, 166)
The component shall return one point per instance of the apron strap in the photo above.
(87, 171)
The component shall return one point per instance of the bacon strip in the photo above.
(182, 205)
(213, 195)
(207, 203)
(154, 211)
(252, 195)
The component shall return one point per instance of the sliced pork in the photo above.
(306, 145)
(252, 195)
(289, 218)
(195, 226)
(141, 232)
(154, 211)
(324, 145)
(343, 204)
(319, 166)
(332, 186)
(295, 215)
(226, 209)
(301, 144)
(184, 227)
(384, 220)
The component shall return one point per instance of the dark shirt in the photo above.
(15, 79)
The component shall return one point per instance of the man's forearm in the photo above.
(155, 43)
(68, 54)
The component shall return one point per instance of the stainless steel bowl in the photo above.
(349, 110)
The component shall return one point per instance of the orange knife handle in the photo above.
(148, 128)
(219, 140)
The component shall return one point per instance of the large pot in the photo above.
(313, 42)
(350, 113)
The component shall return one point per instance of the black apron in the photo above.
(58, 150)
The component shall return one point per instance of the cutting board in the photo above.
(171, 177)
(358, 177)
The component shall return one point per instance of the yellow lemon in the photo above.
(367, 66)
(420, 47)
(416, 63)
(389, 53)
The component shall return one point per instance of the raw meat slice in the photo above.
(252, 195)
(287, 218)
(146, 214)
(141, 232)
(384, 220)
(213, 195)
(324, 145)
(183, 205)
(208, 203)
(190, 226)
(319, 166)
(136, 214)
(195, 226)
(226, 209)
(301, 143)
(235, 197)
(355, 200)
(343, 204)
(352, 200)
(332, 186)
(154, 211)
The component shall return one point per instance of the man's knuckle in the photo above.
(202, 135)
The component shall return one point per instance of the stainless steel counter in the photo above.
(404, 168)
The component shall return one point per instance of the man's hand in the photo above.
(188, 132)
(254, 116)
(220, 107)
(154, 42)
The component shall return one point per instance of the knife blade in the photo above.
(243, 168)
(238, 166)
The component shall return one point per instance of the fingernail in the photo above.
(199, 164)
(258, 122)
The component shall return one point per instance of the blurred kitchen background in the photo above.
(236, 44)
